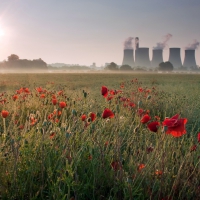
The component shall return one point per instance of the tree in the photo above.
(126, 68)
(112, 66)
(165, 66)
(13, 57)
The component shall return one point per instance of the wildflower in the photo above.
(83, 117)
(39, 89)
(140, 89)
(62, 104)
(193, 148)
(15, 97)
(92, 116)
(198, 137)
(140, 167)
(158, 172)
(54, 101)
(175, 125)
(42, 96)
(140, 112)
(149, 149)
(153, 126)
(104, 91)
(4, 113)
(89, 157)
(116, 165)
(52, 135)
(60, 92)
(109, 98)
(145, 119)
(107, 113)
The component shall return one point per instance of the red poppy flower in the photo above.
(113, 92)
(153, 126)
(83, 117)
(116, 165)
(62, 104)
(140, 89)
(39, 90)
(109, 98)
(107, 113)
(60, 92)
(52, 135)
(57, 112)
(42, 96)
(140, 167)
(4, 113)
(140, 112)
(15, 97)
(198, 137)
(54, 101)
(104, 91)
(175, 126)
(193, 148)
(145, 119)
(158, 172)
(92, 116)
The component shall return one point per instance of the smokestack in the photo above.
(128, 52)
(142, 57)
(157, 57)
(137, 43)
(189, 60)
(128, 57)
(175, 57)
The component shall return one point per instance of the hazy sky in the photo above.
(87, 31)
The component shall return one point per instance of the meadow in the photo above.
(100, 136)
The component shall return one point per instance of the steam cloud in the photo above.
(162, 45)
(128, 43)
(192, 46)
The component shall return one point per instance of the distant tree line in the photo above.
(14, 63)
(74, 67)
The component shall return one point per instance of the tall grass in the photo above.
(119, 158)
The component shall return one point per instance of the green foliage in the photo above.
(14, 63)
(126, 68)
(165, 66)
(112, 66)
(67, 158)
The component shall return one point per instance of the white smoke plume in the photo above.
(192, 46)
(162, 45)
(128, 43)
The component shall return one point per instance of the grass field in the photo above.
(82, 150)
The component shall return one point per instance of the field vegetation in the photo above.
(100, 136)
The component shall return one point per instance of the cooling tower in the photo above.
(128, 57)
(157, 57)
(142, 57)
(189, 60)
(175, 57)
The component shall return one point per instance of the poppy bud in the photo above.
(139, 103)
(4, 113)
(149, 97)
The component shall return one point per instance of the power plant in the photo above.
(175, 57)
(142, 54)
(128, 57)
(189, 60)
(142, 57)
(157, 57)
